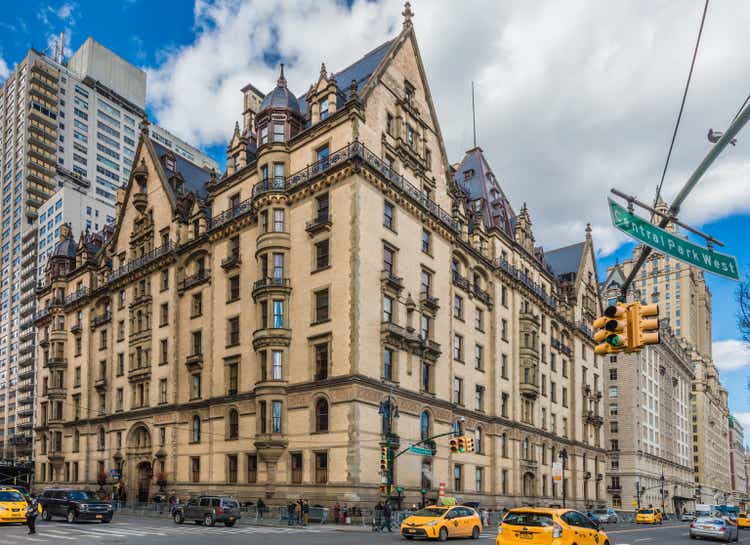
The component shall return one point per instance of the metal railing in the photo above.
(139, 262)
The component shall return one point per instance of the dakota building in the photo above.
(260, 332)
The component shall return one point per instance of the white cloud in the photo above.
(52, 18)
(572, 98)
(731, 354)
(4, 70)
(744, 419)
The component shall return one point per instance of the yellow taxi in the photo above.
(542, 526)
(441, 522)
(648, 516)
(12, 506)
(743, 520)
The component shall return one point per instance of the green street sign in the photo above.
(420, 450)
(669, 243)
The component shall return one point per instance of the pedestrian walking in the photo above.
(298, 512)
(32, 510)
(290, 515)
(387, 514)
(305, 512)
(261, 507)
(377, 521)
(337, 513)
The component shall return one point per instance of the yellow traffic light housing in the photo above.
(469, 444)
(384, 459)
(644, 325)
(612, 329)
(462, 444)
(454, 444)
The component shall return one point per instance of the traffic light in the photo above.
(644, 325)
(612, 329)
(454, 444)
(469, 444)
(462, 444)
(384, 459)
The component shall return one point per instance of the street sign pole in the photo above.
(731, 132)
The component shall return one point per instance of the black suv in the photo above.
(208, 510)
(74, 505)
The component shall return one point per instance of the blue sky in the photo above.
(571, 100)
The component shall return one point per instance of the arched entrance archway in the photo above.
(145, 473)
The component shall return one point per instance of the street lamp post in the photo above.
(388, 411)
(638, 493)
(661, 484)
(563, 459)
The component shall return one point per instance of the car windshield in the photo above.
(80, 495)
(523, 518)
(600, 511)
(10, 495)
(646, 512)
(707, 520)
(430, 512)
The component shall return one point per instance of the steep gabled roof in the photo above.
(194, 176)
(475, 177)
(616, 278)
(565, 260)
(360, 71)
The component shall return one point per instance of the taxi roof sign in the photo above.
(447, 500)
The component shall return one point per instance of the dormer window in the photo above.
(170, 163)
(324, 109)
(409, 93)
(236, 161)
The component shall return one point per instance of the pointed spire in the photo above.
(144, 124)
(408, 14)
(323, 73)
(281, 82)
(588, 231)
(237, 128)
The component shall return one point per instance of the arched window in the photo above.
(100, 439)
(478, 439)
(234, 424)
(424, 425)
(321, 415)
(196, 429)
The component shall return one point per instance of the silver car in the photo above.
(719, 528)
(604, 516)
(687, 516)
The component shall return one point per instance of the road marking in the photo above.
(643, 539)
(58, 535)
(27, 538)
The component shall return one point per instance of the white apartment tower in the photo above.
(69, 130)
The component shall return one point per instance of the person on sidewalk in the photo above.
(305, 512)
(261, 507)
(290, 515)
(387, 514)
(377, 522)
(31, 513)
(337, 513)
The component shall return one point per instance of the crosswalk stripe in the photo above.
(58, 535)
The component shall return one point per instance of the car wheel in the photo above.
(408, 537)
(71, 517)
(692, 536)
(46, 516)
(178, 518)
(475, 532)
(199, 522)
(209, 520)
(229, 523)
(443, 534)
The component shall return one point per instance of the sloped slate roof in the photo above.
(361, 71)
(565, 260)
(280, 97)
(65, 248)
(195, 177)
(474, 176)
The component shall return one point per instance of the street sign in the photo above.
(114, 473)
(669, 243)
(420, 450)
(557, 471)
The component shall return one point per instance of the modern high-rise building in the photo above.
(341, 287)
(739, 480)
(72, 126)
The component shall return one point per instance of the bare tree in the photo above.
(743, 309)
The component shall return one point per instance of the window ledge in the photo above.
(318, 322)
(320, 269)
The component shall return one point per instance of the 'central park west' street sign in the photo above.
(668, 243)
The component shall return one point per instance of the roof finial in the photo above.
(282, 80)
(323, 73)
(144, 123)
(407, 13)
(588, 231)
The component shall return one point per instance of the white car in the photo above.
(687, 516)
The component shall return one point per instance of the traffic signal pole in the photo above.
(734, 128)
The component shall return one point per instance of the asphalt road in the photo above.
(162, 531)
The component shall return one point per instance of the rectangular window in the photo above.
(321, 306)
(478, 319)
(457, 478)
(478, 356)
(277, 369)
(197, 338)
(275, 416)
(458, 307)
(479, 398)
(196, 306)
(458, 394)
(233, 378)
(324, 109)
(388, 215)
(321, 254)
(479, 479)
(504, 329)
(426, 283)
(389, 258)
(504, 405)
(504, 366)
(458, 347)
(195, 469)
(278, 220)
(321, 467)
(426, 241)
(278, 266)
(426, 377)
(234, 287)
(295, 459)
(232, 468)
(252, 468)
(321, 361)
(195, 388)
(387, 309)
(388, 364)
(162, 390)
(164, 314)
(278, 132)
(425, 327)
(278, 314)
(233, 331)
